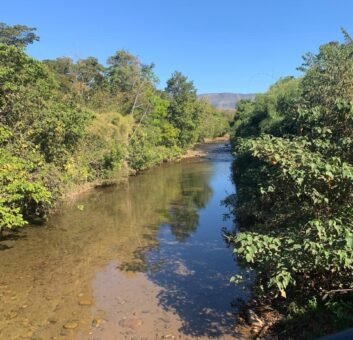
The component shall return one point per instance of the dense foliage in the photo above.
(294, 176)
(17, 35)
(64, 123)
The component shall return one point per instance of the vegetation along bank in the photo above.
(293, 207)
(66, 123)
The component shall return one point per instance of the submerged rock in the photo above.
(97, 322)
(71, 325)
(52, 320)
(85, 302)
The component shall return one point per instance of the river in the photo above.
(145, 260)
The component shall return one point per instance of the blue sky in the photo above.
(223, 46)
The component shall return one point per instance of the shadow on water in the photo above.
(197, 290)
(166, 223)
(191, 262)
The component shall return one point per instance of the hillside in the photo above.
(225, 101)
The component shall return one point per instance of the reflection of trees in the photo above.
(116, 224)
(194, 276)
(184, 213)
(169, 195)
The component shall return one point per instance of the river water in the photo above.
(145, 260)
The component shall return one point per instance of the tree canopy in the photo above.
(17, 35)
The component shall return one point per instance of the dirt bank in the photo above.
(198, 152)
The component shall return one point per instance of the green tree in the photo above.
(183, 109)
(295, 183)
(328, 74)
(17, 35)
(211, 122)
(31, 107)
(154, 138)
(79, 81)
(23, 194)
(90, 72)
(51, 140)
(128, 78)
(63, 70)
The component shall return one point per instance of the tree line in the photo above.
(294, 177)
(64, 123)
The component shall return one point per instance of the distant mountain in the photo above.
(226, 101)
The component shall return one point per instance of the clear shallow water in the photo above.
(143, 261)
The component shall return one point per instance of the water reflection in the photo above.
(164, 223)
(195, 274)
(183, 215)
(191, 262)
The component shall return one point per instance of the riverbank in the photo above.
(71, 192)
(255, 320)
(197, 151)
(144, 260)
